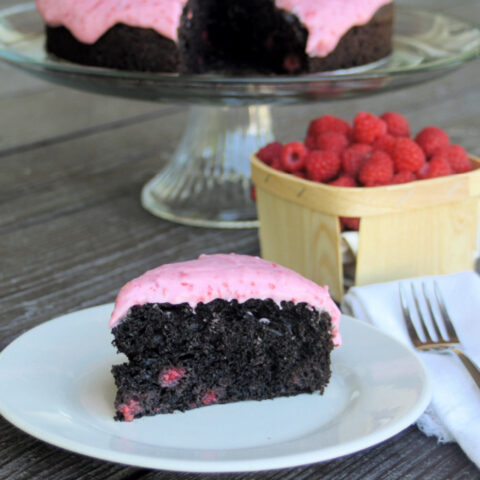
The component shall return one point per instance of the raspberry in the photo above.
(438, 167)
(407, 155)
(293, 156)
(300, 174)
(322, 166)
(292, 63)
(253, 193)
(328, 123)
(432, 138)
(210, 397)
(270, 152)
(404, 176)
(367, 127)
(377, 170)
(277, 164)
(397, 125)
(353, 158)
(422, 172)
(330, 142)
(130, 410)
(384, 143)
(351, 223)
(171, 376)
(310, 142)
(344, 181)
(456, 156)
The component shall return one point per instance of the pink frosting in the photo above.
(326, 20)
(88, 20)
(231, 277)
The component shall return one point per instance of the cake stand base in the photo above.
(206, 182)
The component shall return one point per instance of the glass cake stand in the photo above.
(206, 181)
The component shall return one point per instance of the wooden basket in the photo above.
(426, 227)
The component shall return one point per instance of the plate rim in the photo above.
(193, 465)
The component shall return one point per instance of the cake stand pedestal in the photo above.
(207, 180)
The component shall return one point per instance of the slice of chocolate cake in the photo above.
(220, 329)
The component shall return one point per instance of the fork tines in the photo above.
(424, 330)
(446, 317)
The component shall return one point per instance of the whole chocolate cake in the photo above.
(219, 36)
(220, 329)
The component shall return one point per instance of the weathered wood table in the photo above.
(72, 231)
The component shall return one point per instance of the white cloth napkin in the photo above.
(454, 413)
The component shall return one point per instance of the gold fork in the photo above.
(448, 342)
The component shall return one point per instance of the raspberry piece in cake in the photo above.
(128, 411)
(210, 397)
(171, 377)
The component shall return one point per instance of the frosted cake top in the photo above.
(225, 276)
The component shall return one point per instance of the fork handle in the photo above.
(469, 365)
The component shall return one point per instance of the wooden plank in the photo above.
(51, 113)
(86, 162)
(14, 83)
(25, 458)
(386, 461)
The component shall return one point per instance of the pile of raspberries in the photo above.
(374, 151)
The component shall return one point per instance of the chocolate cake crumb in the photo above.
(221, 352)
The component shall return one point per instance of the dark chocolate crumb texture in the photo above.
(222, 352)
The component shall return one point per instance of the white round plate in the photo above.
(56, 385)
